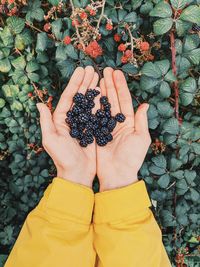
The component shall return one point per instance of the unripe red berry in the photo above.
(122, 47)
(79, 46)
(47, 27)
(109, 26)
(83, 15)
(67, 40)
(117, 37)
(144, 46)
(124, 59)
(75, 22)
(92, 12)
(30, 94)
(11, 2)
(128, 53)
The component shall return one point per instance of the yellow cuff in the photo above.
(65, 199)
(121, 203)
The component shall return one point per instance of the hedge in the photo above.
(156, 44)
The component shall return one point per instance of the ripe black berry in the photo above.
(83, 117)
(120, 117)
(105, 131)
(100, 113)
(74, 132)
(104, 121)
(83, 142)
(111, 124)
(101, 141)
(109, 137)
(78, 98)
(104, 100)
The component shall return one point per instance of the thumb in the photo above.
(141, 119)
(46, 122)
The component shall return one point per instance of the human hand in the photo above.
(72, 161)
(119, 161)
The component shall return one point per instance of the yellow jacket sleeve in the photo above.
(58, 232)
(125, 230)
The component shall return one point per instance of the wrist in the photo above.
(110, 184)
(75, 178)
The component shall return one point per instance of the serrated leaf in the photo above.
(151, 70)
(171, 126)
(161, 10)
(19, 63)
(191, 42)
(165, 109)
(175, 164)
(189, 85)
(170, 77)
(42, 41)
(71, 52)
(194, 194)
(2, 102)
(162, 26)
(163, 65)
(156, 170)
(10, 91)
(56, 28)
(160, 161)
(66, 68)
(32, 66)
(164, 180)
(191, 14)
(130, 68)
(16, 24)
(148, 83)
(131, 17)
(16, 105)
(34, 77)
(181, 187)
(194, 56)
(178, 4)
(5, 65)
(186, 98)
(165, 90)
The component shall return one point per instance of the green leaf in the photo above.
(190, 176)
(131, 17)
(6, 36)
(148, 83)
(56, 28)
(191, 14)
(160, 161)
(10, 91)
(175, 164)
(177, 174)
(170, 77)
(189, 85)
(194, 194)
(194, 56)
(34, 77)
(191, 42)
(42, 41)
(130, 68)
(16, 105)
(178, 4)
(161, 10)
(19, 63)
(164, 180)
(162, 26)
(171, 126)
(165, 90)
(182, 26)
(66, 68)
(186, 98)
(156, 170)
(16, 24)
(163, 65)
(181, 187)
(54, 2)
(71, 52)
(151, 70)
(165, 109)
(5, 65)
(32, 66)
(2, 102)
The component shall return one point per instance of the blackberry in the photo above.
(107, 107)
(81, 127)
(80, 135)
(83, 142)
(108, 113)
(111, 124)
(73, 124)
(97, 133)
(83, 117)
(74, 132)
(120, 117)
(96, 92)
(89, 138)
(104, 121)
(103, 100)
(69, 113)
(77, 110)
(109, 137)
(93, 118)
(100, 113)
(90, 94)
(90, 104)
(101, 141)
(83, 104)
(89, 131)
(105, 131)
(78, 98)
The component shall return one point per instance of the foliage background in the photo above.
(35, 65)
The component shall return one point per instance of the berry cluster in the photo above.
(86, 126)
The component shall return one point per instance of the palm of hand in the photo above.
(120, 160)
(72, 161)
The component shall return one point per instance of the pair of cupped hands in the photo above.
(116, 164)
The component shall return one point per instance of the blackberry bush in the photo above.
(156, 44)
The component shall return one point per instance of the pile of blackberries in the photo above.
(85, 126)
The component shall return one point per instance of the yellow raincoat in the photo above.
(73, 227)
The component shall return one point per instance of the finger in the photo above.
(103, 87)
(46, 122)
(94, 82)
(97, 101)
(66, 97)
(89, 75)
(124, 96)
(141, 120)
(111, 91)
